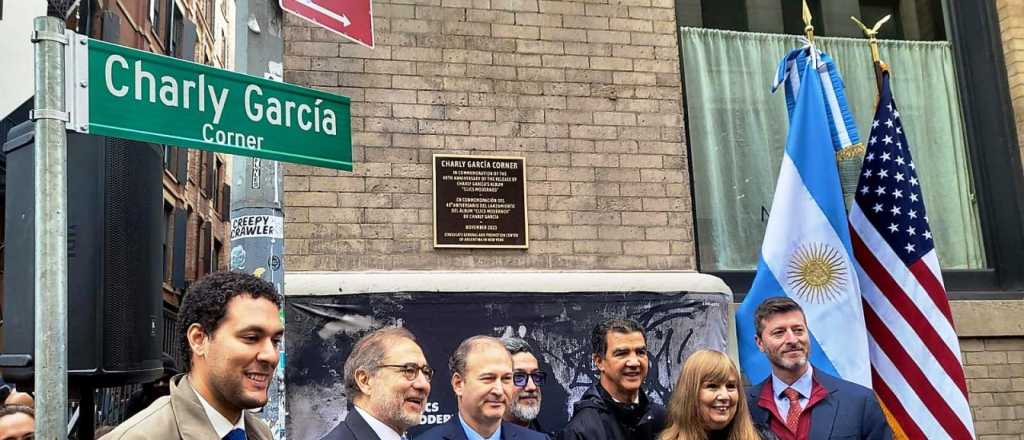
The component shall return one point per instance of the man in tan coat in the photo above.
(231, 332)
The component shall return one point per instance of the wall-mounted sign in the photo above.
(480, 202)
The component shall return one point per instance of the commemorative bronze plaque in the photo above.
(480, 202)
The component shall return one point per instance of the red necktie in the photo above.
(793, 416)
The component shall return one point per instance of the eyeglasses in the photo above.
(519, 378)
(410, 370)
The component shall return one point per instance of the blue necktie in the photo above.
(235, 434)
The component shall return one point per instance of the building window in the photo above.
(217, 249)
(218, 177)
(206, 247)
(736, 129)
(174, 37)
(168, 246)
(168, 162)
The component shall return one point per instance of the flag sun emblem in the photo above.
(817, 273)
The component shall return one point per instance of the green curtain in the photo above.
(737, 131)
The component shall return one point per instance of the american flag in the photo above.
(916, 368)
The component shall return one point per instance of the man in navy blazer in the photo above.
(798, 402)
(388, 380)
(482, 380)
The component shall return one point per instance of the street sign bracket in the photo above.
(76, 82)
(45, 113)
(38, 36)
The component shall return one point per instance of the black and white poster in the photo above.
(321, 331)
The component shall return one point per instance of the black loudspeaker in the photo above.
(115, 236)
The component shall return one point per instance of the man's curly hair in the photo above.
(207, 302)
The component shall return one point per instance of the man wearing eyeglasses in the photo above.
(527, 378)
(481, 377)
(388, 381)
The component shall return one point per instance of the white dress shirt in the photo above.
(221, 425)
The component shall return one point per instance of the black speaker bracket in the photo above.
(15, 360)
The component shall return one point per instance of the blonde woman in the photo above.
(708, 402)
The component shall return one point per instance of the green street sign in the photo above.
(127, 93)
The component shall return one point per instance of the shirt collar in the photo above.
(802, 385)
(221, 425)
(383, 431)
(473, 435)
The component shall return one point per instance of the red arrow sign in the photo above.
(353, 19)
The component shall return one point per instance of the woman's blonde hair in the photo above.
(684, 414)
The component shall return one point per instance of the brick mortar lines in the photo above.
(600, 125)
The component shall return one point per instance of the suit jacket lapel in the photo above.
(250, 427)
(756, 399)
(359, 427)
(455, 431)
(189, 414)
(507, 434)
(825, 411)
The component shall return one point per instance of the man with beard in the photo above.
(481, 377)
(797, 401)
(616, 408)
(525, 396)
(388, 381)
(230, 333)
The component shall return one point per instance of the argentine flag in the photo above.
(806, 253)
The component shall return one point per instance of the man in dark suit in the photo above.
(798, 402)
(482, 380)
(388, 380)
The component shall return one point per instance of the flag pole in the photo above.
(808, 27)
(872, 35)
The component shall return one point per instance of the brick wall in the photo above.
(995, 380)
(589, 92)
(1011, 23)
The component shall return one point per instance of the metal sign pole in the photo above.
(51, 249)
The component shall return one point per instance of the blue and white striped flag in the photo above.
(841, 124)
(806, 253)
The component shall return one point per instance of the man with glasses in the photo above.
(527, 378)
(388, 381)
(481, 377)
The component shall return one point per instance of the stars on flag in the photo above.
(902, 215)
